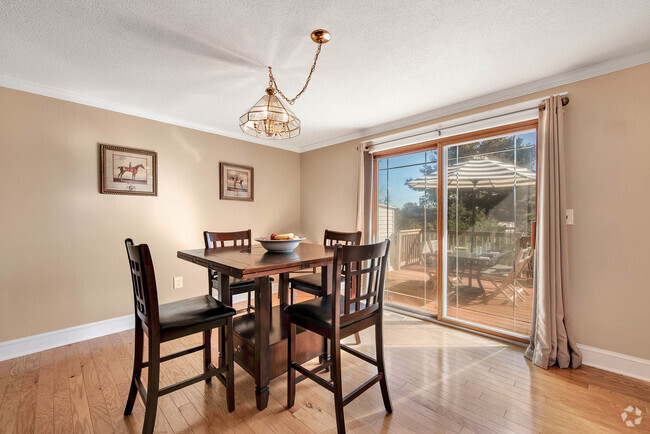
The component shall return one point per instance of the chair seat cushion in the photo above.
(312, 281)
(309, 282)
(182, 317)
(317, 311)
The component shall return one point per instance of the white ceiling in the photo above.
(203, 63)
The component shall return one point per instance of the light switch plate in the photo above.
(569, 216)
(178, 282)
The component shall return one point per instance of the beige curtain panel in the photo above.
(365, 203)
(551, 339)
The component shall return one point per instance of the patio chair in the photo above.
(430, 262)
(505, 278)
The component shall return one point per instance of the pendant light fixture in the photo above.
(269, 118)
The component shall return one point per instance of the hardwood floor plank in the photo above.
(11, 397)
(44, 421)
(62, 405)
(81, 420)
(27, 404)
(5, 368)
(114, 402)
(98, 409)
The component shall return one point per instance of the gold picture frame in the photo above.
(236, 182)
(127, 171)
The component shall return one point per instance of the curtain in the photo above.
(551, 338)
(365, 203)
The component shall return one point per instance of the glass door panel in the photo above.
(489, 205)
(407, 215)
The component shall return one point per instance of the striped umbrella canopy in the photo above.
(478, 172)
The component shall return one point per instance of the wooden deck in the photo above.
(440, 380)
(407, 287)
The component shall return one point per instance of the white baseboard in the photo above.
(606, 360)
(45, 341)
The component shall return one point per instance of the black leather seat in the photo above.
(176, 317)
(306, 282)
(317, 311)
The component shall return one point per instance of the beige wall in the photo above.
(62, 256)
(608, 175)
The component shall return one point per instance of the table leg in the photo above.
(262, 346)
(283, 289)
(226, 298)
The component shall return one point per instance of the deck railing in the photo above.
(409, 243)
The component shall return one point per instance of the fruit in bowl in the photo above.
(280, 242)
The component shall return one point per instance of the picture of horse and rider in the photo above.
(134, 172)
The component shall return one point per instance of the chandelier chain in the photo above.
(274, 84)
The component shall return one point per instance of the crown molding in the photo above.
(56, 93)
(565, 78)
(579, 74)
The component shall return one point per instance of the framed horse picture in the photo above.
(236, 182)
(127, 171)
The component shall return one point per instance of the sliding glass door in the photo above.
(489, 195)
(487, 207)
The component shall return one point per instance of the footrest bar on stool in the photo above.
(359, 390)
(309, 374)
(211, 373)
(359, 355)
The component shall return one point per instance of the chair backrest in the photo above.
(215, 240)
(521, 261)
(364, 270)
(145, 293)
(333, 238)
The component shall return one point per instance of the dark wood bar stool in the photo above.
(311, 283)
(336, 316)
(168, 322)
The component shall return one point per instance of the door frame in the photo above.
(439, 145)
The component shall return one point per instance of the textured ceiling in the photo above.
(203, 63)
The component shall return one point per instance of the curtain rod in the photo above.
(422, 132)
(565, 102)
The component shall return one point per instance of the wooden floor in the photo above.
(440, 380)
(407, 287)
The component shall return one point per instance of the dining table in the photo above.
(476, 262)
(260, 336)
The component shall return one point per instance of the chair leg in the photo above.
(357, 339)
(379, 346)
(207, 352)
(230, 360)
(249, 302)
(291, 373)
(153, 383)
(338, 387)
(137, 368)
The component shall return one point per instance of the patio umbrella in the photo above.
(478, 172)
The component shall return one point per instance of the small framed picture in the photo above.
(128, 171)
(236, 182)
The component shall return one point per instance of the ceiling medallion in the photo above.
(269, 118)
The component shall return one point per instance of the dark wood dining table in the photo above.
(260, 337)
